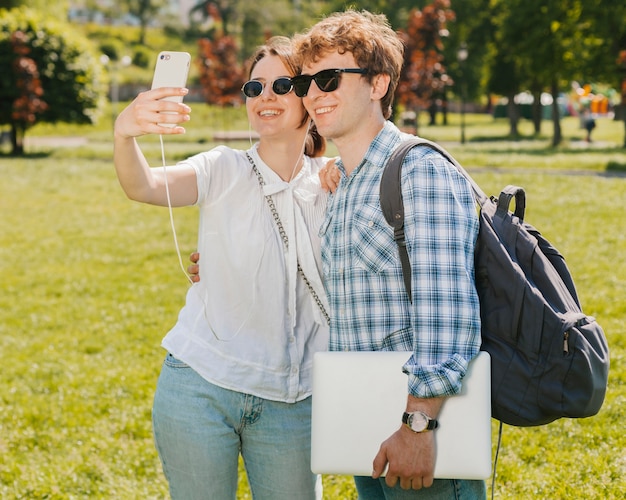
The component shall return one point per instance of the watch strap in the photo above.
(431, 423)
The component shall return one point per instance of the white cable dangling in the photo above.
(171, 212)
(180, 259)
(250, 133)
(301, 155)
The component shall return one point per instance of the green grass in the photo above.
(90, 283)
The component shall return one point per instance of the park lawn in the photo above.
(90, 283)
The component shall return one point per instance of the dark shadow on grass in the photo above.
(508, 138)
(528, 145)
(614, 167)
(26, 156)
(541, 146)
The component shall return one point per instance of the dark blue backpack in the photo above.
(548, 359)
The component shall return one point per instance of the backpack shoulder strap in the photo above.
(391, 196)
(392, 205)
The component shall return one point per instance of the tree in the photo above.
(223, 12)
(28, 104)
(221, 59)
(621, 63)
(251, 23)
(504, 80)
(472, 28)
(396, 11)
(607, 48)
(56, 8)
(46, 63)
(145, 11)
(423, 79)
(543, 48)
(221, 75)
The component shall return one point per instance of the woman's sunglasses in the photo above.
(280, 86)
(327, 80)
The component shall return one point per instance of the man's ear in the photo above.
(380, 85)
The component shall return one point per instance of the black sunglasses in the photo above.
(327, 80)
(280, 86)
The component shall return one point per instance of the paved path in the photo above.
(243, 135)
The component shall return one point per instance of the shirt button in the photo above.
(294, 370)
(370, 223)
(292, 339)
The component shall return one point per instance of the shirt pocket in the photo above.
(372, 240)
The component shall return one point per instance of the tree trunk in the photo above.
(556, 114)
(432, 112)
(513, 113)
(537, 112)
(143, 26)
(622, 107)
(17, 140)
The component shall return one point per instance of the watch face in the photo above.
(418, 422)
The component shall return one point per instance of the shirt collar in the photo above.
(270, 177)
(380, 148)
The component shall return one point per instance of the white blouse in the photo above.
(251, 323)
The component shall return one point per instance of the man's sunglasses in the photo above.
(327, 80)
(280, 86)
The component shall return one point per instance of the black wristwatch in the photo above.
(418, 421)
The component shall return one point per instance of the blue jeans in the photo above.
(442, 489)
(200, 430)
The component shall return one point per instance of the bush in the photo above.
(142, 57)
(70, 74)
(113, 49)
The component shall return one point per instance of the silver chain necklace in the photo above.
(283, 235)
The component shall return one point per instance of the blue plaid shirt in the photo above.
(370, 308)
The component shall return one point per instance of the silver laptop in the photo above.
(358, 401)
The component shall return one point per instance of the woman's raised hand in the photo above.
(150, 113)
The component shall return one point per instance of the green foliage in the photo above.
(54, 8)
(512, 46)
(142, 57)
(112, 48)
(157, 39)
(145, 11)
(607, 20)
(397, 11)
(70, 73)
(124, 39)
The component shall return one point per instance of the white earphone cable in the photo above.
(171, 212)
(180, 259)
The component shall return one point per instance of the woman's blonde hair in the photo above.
(375, 46)
(282, 47)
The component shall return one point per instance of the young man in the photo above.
(351, 63)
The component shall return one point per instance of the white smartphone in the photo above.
(171, 70)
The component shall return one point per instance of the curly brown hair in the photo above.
(367, 36)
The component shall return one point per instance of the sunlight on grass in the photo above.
(91, 283)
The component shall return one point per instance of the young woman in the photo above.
(237, 376)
